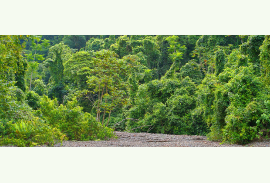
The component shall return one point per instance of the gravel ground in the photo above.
(157, 140)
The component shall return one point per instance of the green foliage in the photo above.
(230, 105)
(207, 45)
(11, 105)
(242, 113)
(72, 121)
(166, 106)
(58, 55)
(219, 61)
(252, 51)
(40, 88)
(75, 41)
(29, 133)
(10, 55)
(77, 68)
(180, 105)
(36, 49)
(164, 60)
(236, 59)
(122, 46)
(33, 100)
(7, 98)
(192, 70)
(20, 75)
(109, 41)
(20, 96)
(175, 49)
(32, 73)
(107, 82)
(212, 84)
(265, 59)
(139, 74)
(151, 51)
(95, 44)
(18, 126)
(57, 91)
(206, 97)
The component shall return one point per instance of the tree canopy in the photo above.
(82, 87)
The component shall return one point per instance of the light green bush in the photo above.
(29, 133)
(72, 121)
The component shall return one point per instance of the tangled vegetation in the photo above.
(76, 87)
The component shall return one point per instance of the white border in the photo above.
(146, 17)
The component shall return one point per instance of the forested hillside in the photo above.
(83, 87)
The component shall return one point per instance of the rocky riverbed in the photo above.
(157, 140)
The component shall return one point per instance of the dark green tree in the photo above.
(58, 55)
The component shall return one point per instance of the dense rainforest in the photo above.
(83, 87)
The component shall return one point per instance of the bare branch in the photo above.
(138, 127)
(125, 120)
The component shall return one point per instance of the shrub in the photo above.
(29, 133)
(234, 105)
(33, 99)
(40, 88)
(12, 105)
(72, 121)
(166, 106)
(57, 91)
(19, 95)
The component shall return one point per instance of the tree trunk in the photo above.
(30, 82)
(109, 117)
(32, 71)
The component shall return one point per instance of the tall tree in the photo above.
(58, 55)
(106, 81)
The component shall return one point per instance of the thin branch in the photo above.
(150, 129)
(124, 120)
(105, 102)
(138, 127)
(90, 99)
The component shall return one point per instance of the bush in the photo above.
(40, 88)
(7, 98)
(19, 95)
(33, 99)
(29, 133)
(12, 105)
(57, 91)
(166, 106)
(117, 120)
(239, 128)
(232, 105)
(72, 121)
